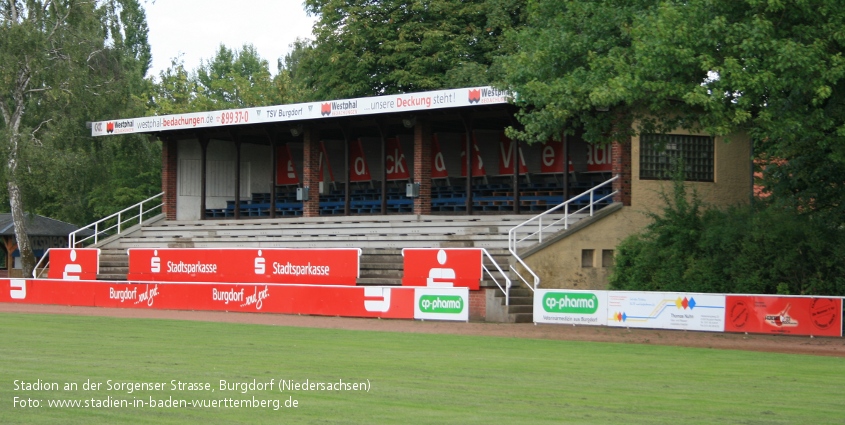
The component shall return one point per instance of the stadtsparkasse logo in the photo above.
(110, 127)
(326, 109)
(474, 96)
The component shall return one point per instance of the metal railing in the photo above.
(40, 260)
(116, 223)
(507, 289)
(534, 235)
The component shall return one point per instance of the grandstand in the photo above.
(386, 173)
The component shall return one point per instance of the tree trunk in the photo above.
(16, 200)
(24, 247)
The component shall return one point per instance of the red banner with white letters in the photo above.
(324, 163)
(285, 172)
(359, 171)
(442, 267)
(438, 163)
(74, 263)
(784, 315)
(396, 166)
(358, 301)
(551, 158)
(478, 169)
(599, 158)
(247, 265)
(506, 157)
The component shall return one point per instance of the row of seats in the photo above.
(536, 197)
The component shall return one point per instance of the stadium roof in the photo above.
(389, 104)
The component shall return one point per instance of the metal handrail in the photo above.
(35, 269)
(513, 234)
(507, 289)
(95, 226)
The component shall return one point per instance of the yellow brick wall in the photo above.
(560, 266)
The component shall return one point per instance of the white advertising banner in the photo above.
(439, 99)
(441, 304)
(570, 307)
(666, 310)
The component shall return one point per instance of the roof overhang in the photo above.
(434, 103)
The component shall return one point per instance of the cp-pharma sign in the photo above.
(441, 304)
(570, 307)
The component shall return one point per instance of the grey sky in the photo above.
(195, 28)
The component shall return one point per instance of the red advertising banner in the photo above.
(599, 158)
(477, 163)
(784, 315)
(551, 159)
(324, 159)
(506, 155)
(395, 162)
(74, 263)
(248, 265)
(285, 173)
(357, 301)
(438, 163)
(360, 172)
(442, 267)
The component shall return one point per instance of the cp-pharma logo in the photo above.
(570, 302)
(441, 304)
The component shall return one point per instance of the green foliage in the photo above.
(774, 70)
(231, 79)
(65, 63)
(365, 48)
(762, 250)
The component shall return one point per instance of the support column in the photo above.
(422, 166)
(516, 164)
(470, 153)
(565, 148)
(273, 172)
(237, 178)
(383, 158)
(203, 140)
(311, 172)
(622, 167)
(169, 176)
(347, 191)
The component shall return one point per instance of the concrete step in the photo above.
(522, 317)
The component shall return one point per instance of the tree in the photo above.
(231, 79)
(773, 69)
(60, 59)
(365, 48)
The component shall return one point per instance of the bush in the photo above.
(756, 249)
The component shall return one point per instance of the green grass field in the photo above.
(414, 378)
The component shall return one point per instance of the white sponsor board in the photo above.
(441, 304)
(408, 102)
(570, 307)
(666, 310)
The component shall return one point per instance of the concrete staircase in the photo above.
(381, 239)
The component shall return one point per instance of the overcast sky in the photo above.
(195, 28)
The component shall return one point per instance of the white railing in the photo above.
(47, 264)
(526, 233)
(116, 223)
(507, 281)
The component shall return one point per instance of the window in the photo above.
(607, 258)
(660, 153)
(586, 258)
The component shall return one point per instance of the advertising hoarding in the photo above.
(784, 315)
(666, 310)
(570, 307)
(273, 265)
